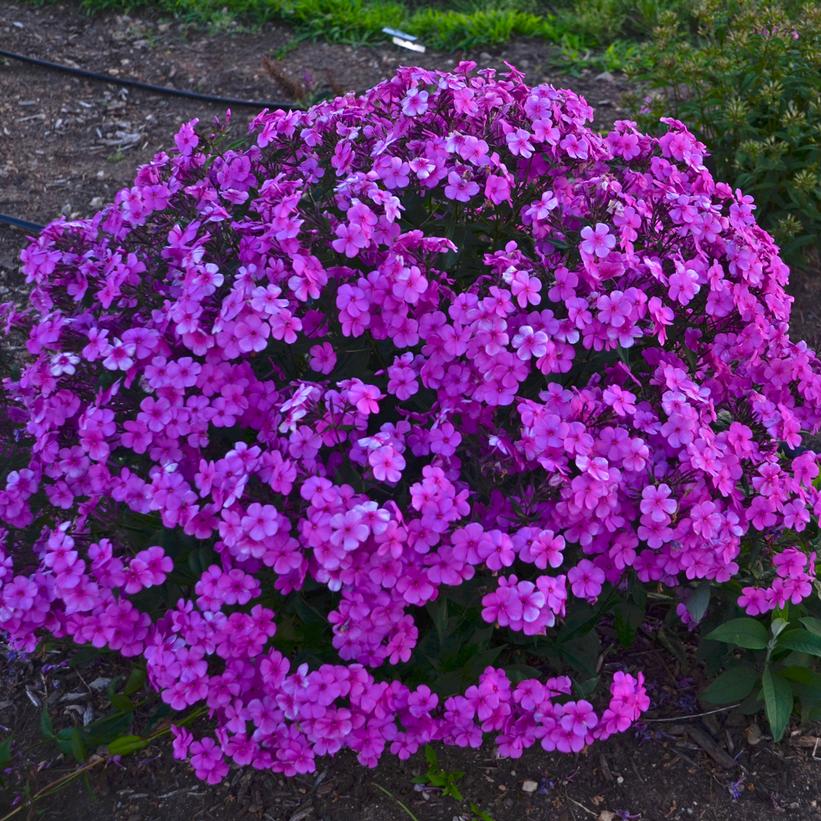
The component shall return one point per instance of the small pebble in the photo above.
(530, 786)
(753, 734)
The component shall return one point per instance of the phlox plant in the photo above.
(290, 405)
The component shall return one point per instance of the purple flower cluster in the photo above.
(795, 574)
(441, 332)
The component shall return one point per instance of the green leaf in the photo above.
(72, 741)
(135, 682)
(629, 617)
(454, 792)
(106, 729)
(77, 745)
(802, 675)
(5, 753)
(778, 626)
(582, 653)
(63, 740)
(126, 744)
(586, 687)
(122, 703)
(85, 655)
(744, 632)
(479, 813)
(46, 725)
(438, 612)
(520, 672)
(806, 685)
(778, 701)
(812, 624)
(160, 712)
(732, 685)
(698, 601)
(403, 806)
(800, 641)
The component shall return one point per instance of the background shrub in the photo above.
(746, 77)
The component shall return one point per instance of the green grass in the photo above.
(449, 29)
(451, 26)
(358, 22)
(598, 33)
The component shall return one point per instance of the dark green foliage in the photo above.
(746, 77)
(777, 666)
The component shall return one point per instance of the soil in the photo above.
(678, 765)
(66, 146)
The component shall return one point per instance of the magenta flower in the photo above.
(586, 580)
(597, 241)
(182, 741)
(525, 288)
(349, 530)
(497, 189)
(260, 521)
(208, 761)
(387, 464)
(575, 147)
(323, 358)
(546, 550)
(518, 142)
(657, 504)
(186, 138)
(529, 343)
(578, 717)
(459, 188)
(119, 356)
(415, 103)
(755, 601)
(364, 397)
(684, 285)
(64, 363)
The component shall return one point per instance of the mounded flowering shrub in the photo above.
(440, 343)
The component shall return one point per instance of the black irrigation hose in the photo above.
(24, 225)
(154, 89)
(33, 227)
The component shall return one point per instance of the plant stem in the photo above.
(389, 794)
(54, 786)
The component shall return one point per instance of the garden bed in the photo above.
(67, 146)
(676, 766)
